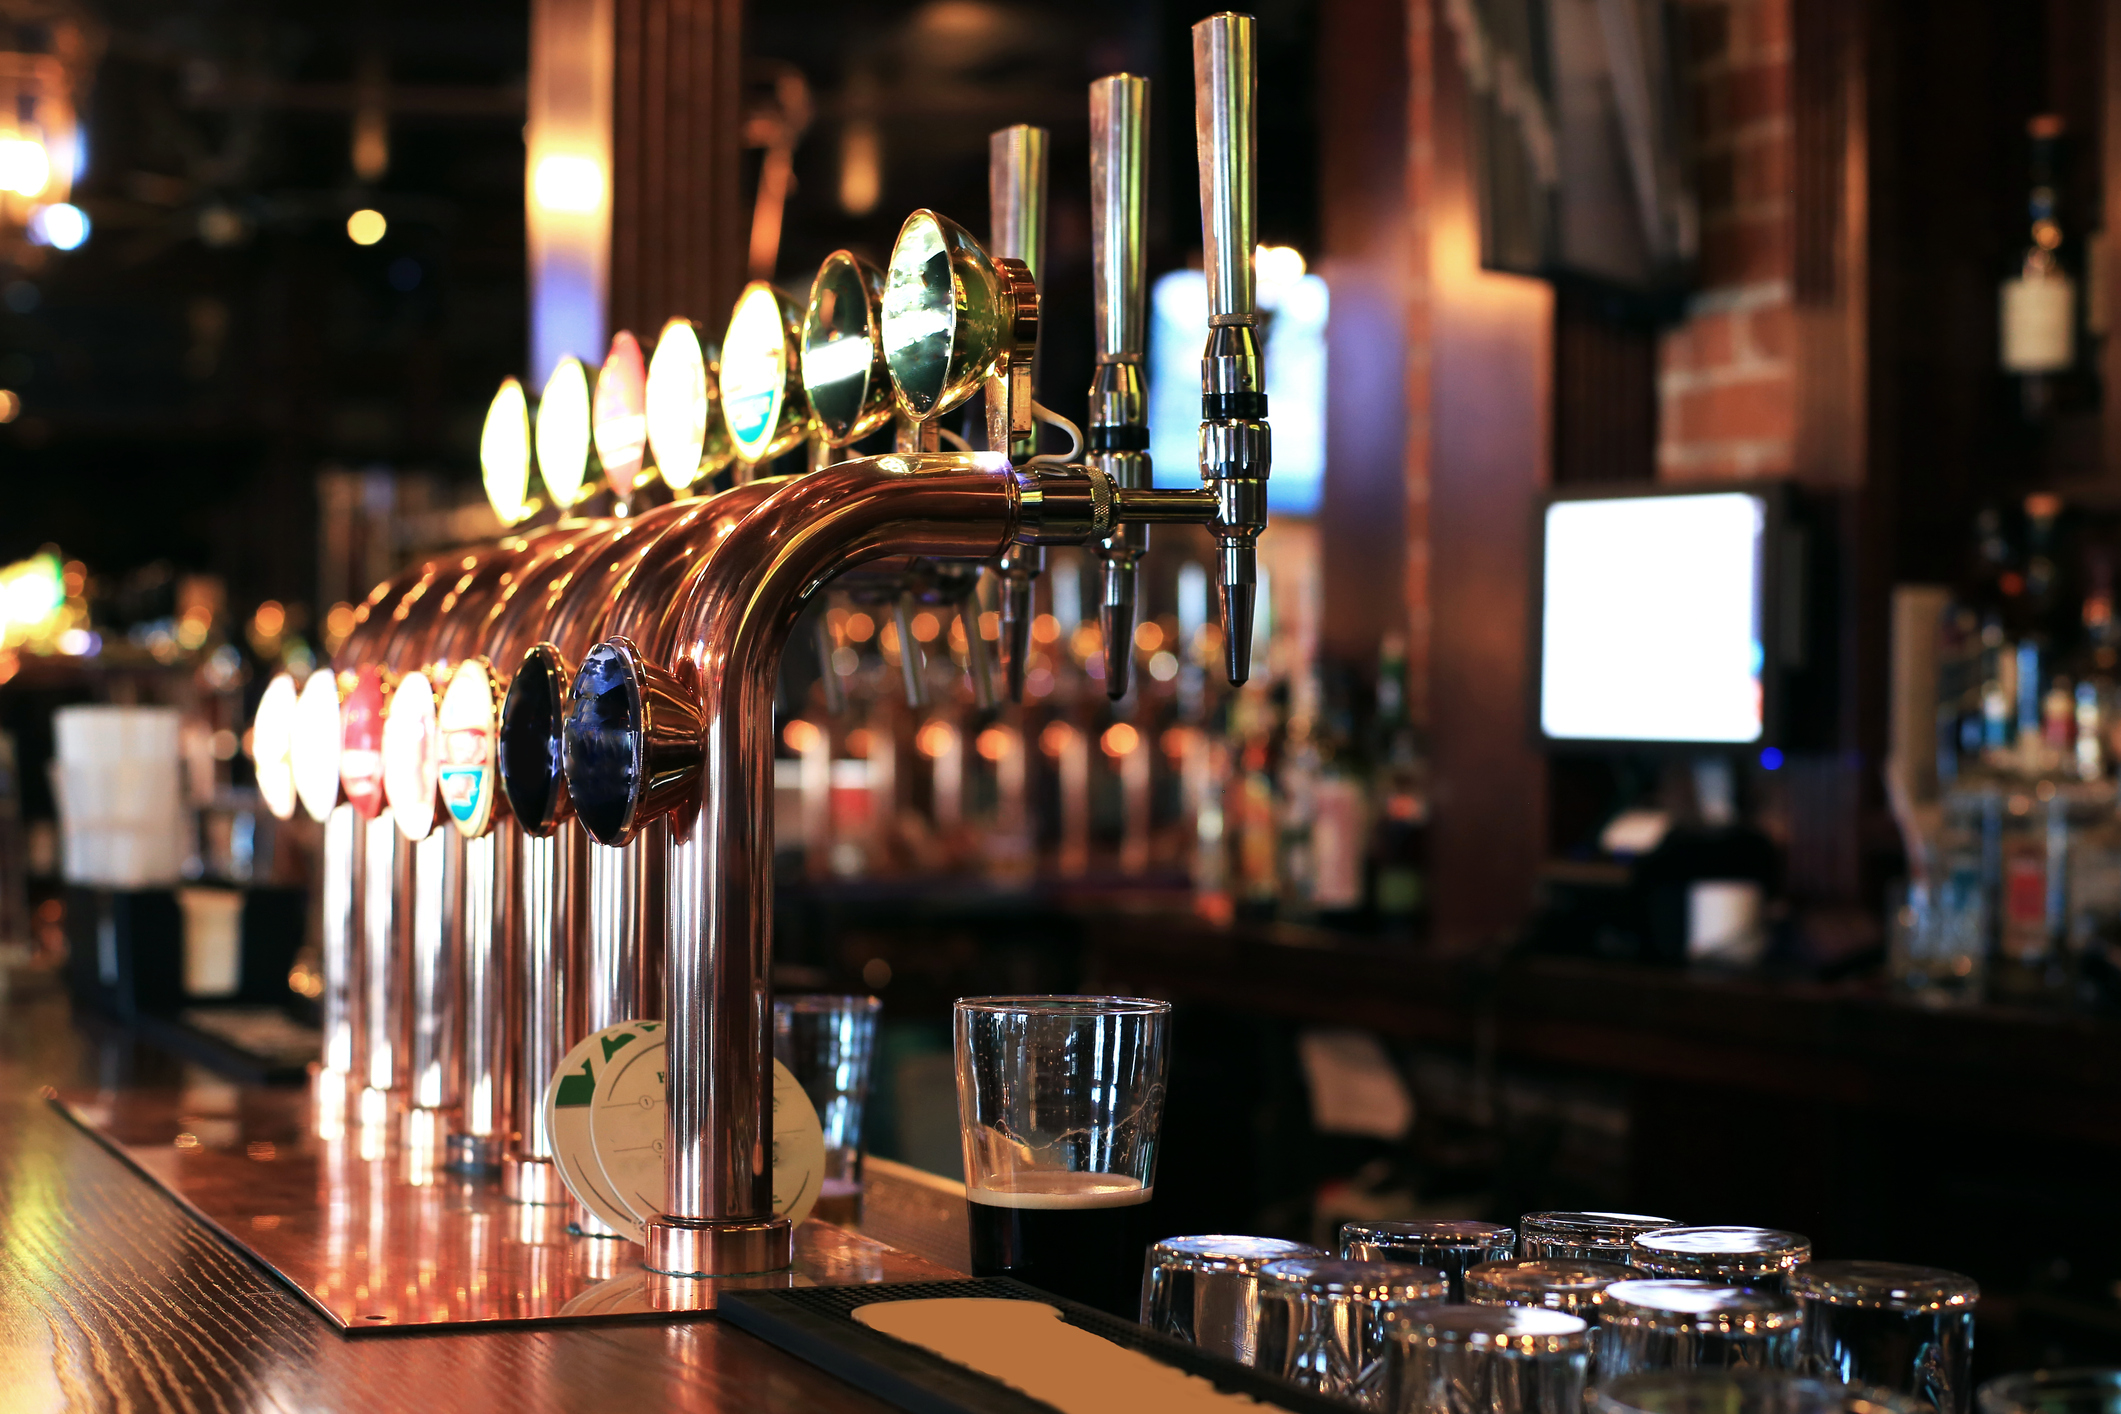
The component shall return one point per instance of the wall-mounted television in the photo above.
(1664, 617)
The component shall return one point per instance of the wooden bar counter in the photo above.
(113, 1297)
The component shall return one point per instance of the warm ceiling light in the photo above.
(25, 167)
(1278, 265)
(366, 226)
(574, 185)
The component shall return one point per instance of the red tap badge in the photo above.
(361, 743)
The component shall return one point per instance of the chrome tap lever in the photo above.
(1235, 444)
(1119, 413)
(912, 662)
(1016, 203)
(828, 672)
(978, 666)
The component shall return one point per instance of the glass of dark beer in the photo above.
(1059, 1103)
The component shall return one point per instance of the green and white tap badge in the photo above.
(622, 1070)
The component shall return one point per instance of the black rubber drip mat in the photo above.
(816, 1324)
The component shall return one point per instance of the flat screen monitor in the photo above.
(1653, 618)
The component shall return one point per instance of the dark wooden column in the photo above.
(1364, 221)
(1480, 398)
(679, 224)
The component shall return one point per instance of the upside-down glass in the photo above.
(1486, 1360)
(1448, 1245)
(1556, 1283)
(2066, 1391)
(1323, 1322)
(1742, 1256)
(1739, 1392)
(1205, 1289)
(1591, 1237)
(1059, 1103)
(829, 1044)
(1687, 1325)
(1907, 1329)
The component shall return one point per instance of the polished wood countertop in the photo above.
(112, 1297)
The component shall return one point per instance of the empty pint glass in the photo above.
(1556, 1283)
(1448, 1245)
(1059, 1101)
(1205, 1290)
(1908, 1329)
(1738, 1256)
(1591, 1237)
(829, 1044)
(1739, 1392)
(1323, 1322)
(1489, 1359)
(1694, 1325)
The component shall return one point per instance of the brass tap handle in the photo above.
(1119, 421)
(1235, 445)
(1016, 195)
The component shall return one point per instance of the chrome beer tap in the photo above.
(694, 737)
(1235, 444)
(1016, 200)
(1119, 399)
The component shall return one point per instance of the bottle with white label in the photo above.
(2038, 306)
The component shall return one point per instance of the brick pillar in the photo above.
(1727, 385)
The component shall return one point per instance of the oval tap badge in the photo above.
(361, 742)
(409, 756)
(466, 722)
(272, 746)
(317, 743)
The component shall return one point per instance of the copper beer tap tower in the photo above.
(545, 764)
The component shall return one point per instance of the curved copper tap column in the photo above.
(457, 1012)
(339, 889)
(410, 975)
(732, 624)
(636, 889)
(594, 894)
(542, 916)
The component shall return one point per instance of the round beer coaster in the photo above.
(361, 742)
(272, 746)
(409, 756)
(630, 1117)
(568, 1101)
(315, 748)
(467, 757)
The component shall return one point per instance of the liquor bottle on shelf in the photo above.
(2038, 307)
(1400, 790)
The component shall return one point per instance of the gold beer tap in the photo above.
(1119, 399)
(696, 738)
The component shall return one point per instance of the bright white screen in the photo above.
(1652, 619)
(1295, 354)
